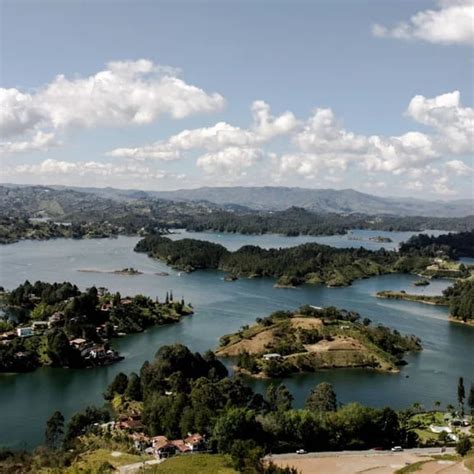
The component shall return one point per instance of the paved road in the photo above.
(369, 452)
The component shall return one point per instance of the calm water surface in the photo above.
(27, 400)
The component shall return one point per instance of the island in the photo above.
(459, 297)
(309, 263)
(124, 271)
(59, 325)
(312, 339)
(381, 239)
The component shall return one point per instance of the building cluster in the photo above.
(158, 446)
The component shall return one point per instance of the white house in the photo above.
(24, 332)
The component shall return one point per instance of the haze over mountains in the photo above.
(320, 200)
(271, 199)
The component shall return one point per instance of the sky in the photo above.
(375, 95)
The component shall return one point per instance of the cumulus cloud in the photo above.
(453, 122)
(40, 141)
(231, 160)
(220, 136)
(459, 167)
(325, 144)
(125, 93)
(451, 23)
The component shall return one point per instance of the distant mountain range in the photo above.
(320, 201)
(267, 198)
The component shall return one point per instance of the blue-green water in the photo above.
(26, 400)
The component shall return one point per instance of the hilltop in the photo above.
(311, 339)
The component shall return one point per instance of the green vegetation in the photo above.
(197, 464)
(461, 300)
(403, 295)
(64, 327)
(459, 297)
(311, 339)
(181, 392)
(310, 263)
(449, 245)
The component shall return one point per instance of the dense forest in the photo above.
(461, 300)
(307, 263)
(452, 245)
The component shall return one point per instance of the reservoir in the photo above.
(27, 400)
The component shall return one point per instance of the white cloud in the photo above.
(218, 137)
(126, 93)
(452, 23)
(441, 186)
(459, 168)
(325, 144)
(454, 123)
(40, 141)
(231, 160)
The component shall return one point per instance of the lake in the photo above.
(27, 400)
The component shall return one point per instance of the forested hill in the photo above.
(307, 263)
(454, 245)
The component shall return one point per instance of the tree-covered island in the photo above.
(311, 339)
(59, 325)
(310, 263)
(459, 297)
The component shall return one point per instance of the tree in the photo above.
(54, 430)
(279, 397)
(470, 399)
(134, 388)
(463, 446)
(461, 395)
(118, 385)
(322, 398)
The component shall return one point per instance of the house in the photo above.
(181, 446)
(98, 352)
(163, 447)
(141, 441)
(195, 442)
(40, 326)
(130, 422)
(24, 332)
(126, 301)
(78, 343)
(106, 307)
(271, 356)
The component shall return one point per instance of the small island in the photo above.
(124, 271)
(422, 282)
(381, 239)
(403, 295)
(312, 339)
(58, 325)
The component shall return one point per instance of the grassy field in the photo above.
(195, 464)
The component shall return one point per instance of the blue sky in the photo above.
(348, 88)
